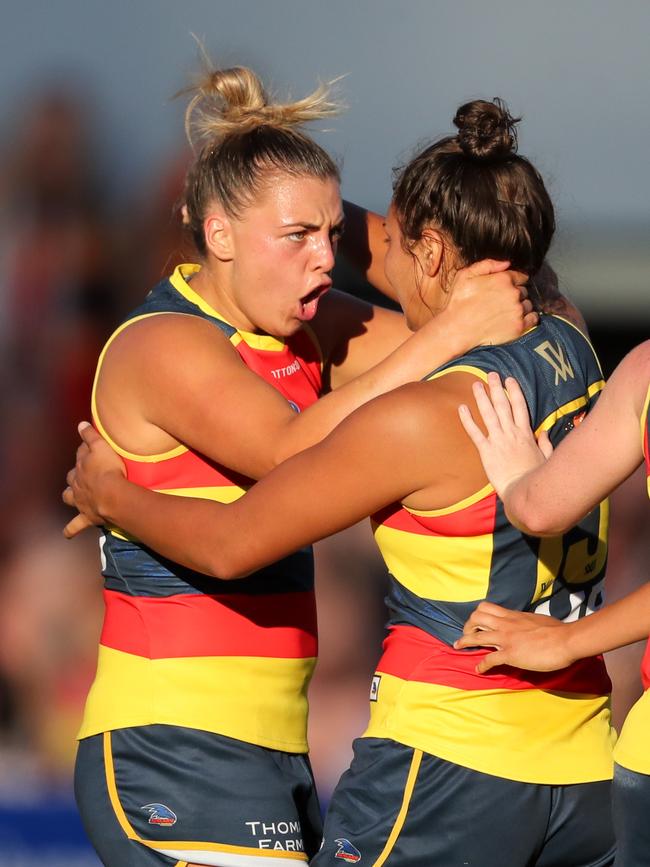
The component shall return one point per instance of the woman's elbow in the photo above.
(536, 522)
(225, 567)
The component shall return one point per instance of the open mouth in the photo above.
(309, 304)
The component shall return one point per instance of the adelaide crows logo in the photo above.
(159, 814)
(346, 851)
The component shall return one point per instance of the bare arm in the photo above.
(487, 303)
(170, 380)
(388, 450)
(364, 246)
(540, 643)
(589, 463)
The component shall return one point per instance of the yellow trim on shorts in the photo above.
(165, 846)
(401, 816)
(120, 815)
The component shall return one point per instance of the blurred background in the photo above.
(91, 165)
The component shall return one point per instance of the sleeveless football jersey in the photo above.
(633, 748)
(540, 728)
(181, 648)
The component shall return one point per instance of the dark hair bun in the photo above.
(486, 130)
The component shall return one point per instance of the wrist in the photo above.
(452, 337)
(109, 494)
(571, 643)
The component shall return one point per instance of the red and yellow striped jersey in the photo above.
(548, 728)
(177, 647)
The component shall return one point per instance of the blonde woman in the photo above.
(192, 748)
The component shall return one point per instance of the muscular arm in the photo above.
(392, 449)
(173, 379)
(588, 464)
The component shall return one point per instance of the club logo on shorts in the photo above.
(346, 851)
(159, 814)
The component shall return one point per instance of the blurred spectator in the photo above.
(57, 306)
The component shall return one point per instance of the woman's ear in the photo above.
(431, 252)
(218, 235)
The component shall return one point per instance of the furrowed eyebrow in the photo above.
(313, 227)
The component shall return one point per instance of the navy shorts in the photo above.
(631, 803)
(165, 795)
(401, 807)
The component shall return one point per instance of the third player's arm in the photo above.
(587, 465)
(540, 643)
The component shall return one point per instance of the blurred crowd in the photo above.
(71, 265)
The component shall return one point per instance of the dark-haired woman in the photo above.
(192, 748)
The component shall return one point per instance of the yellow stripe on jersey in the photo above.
(644, 416)
(644, 432)
(438, 567)
(255, 341)
(631, 750)
(455, 507)
(528, 735)
(248, 698)
(578, 564)
(460, 368)
(220, 494)
(570, 407)
(161, 456)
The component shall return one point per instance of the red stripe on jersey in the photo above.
(295, 370)
(187, 470)
(268, 625)
(475, 520)
(411, 654)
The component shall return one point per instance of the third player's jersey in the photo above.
(546, 728)
(177, 647)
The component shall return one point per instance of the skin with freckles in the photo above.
(280, 252)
